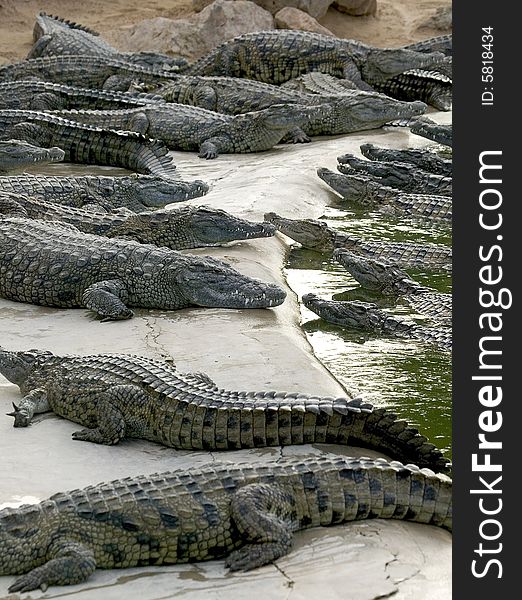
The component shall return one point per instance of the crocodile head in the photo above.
(368, 110)
(17, 366)
(211, 226)
(354, 314)
(394, 174)
(371, 274)
(191, 227)
(382, 63)
(17, 154)
(360, 190)
(156, 192)
(205, 281)
(310, 233)
(427, 128)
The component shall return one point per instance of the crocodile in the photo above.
(356, 314)
(429, 87)
(137, 193)
(364, 192)
(84, 71)
(316, 235)
(390, 280)
(423, 158)
(87, 144)
(53, 264)
(177, 229)
(279, 55)
(55, 36)
(442, 134)
(42, 96)
(117, 396)
(17, 154)
(184, 127)
(351, 111)
(246, 513)
(402, 176)
(439, 43)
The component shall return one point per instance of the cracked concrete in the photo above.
(249, 349)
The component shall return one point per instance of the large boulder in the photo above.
(442, 19)
(315, 8)
(196, 36)
(293, 18)
(356, 8)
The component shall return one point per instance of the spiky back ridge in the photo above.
(68, 24)
(127, 149)
(14, 94)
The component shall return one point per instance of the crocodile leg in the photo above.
(205, 97)
(47, 101)
(70, 563)
(140, 123)
(266, 519)
(29, 132)
(296, 136)
(107, 298)
(9, 206)
(116, 83)
(34, 402)
(211, 148)
(111, 408)
(352, 73)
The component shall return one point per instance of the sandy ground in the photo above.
(258, 349)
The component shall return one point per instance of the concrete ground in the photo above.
(248, 349)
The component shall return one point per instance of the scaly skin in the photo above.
(246, 512)
(279, 55)
(439, 43)
(351, 111)
(417, 84)
(184, 127)
(430, 87)
(442, 134)
(86, 144)
(55, 36)
(422, 158)
(53, 264)
(365, 315)
(119, 395)
(316, 235)
(392, 281)
(84, 71)
(178, 229)
(319, 83)
(137, 193)
(41, 95)
(16, 155)
(367, 193)
(403, 176)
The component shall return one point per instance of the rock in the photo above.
(293, 18)
(442, 19)
(196, 36)
(315, 8)
(356, 8)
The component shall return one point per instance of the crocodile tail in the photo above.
(381, 429)
(282, 419)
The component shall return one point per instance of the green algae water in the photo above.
(410, 377)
